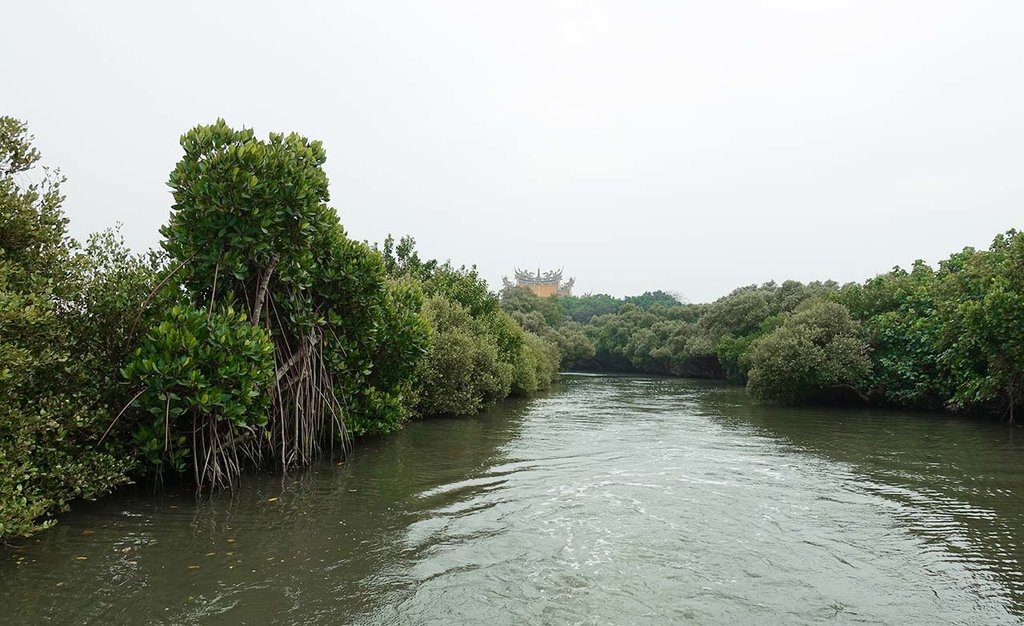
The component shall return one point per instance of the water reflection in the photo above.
(306, 548)
(610, 500)
(957, 483)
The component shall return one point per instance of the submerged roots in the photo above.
(305, 420)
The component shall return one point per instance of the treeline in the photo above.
(950, 338)
(259, 335)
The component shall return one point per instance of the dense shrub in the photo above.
(479, 352)
(321, 341)
(815, 353)
(61, 343)
(584, 308)
(545, 317)
(898, 313)
(536, 365)
(462, 371)
(202, 372)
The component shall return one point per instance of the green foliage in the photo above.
(402, 259)
(659, 339)
(740, 313)
(384, 399)
(950, 338)
(111, 285)
(54, 349)
(260, 334)
(536, 365)
(522, 300)
(584, 308)
(199, 368)
(462, 372)
(375, 334)
(981, 308)
(898, 314)
(263, 334)
(814, 353)
(734, 352)
(648, 299)
(573, 344)
(243, 206)
(546, 318)
(250, 229)
(479, 352)
(463, 285)
(47, 446)
(33, 228)
(656, 333)
(569, 337)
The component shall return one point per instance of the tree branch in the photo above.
(295, 358)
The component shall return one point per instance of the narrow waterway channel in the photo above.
(608, 500)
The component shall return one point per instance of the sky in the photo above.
(688, 146)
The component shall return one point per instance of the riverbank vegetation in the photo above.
(949, 338)
(258, 336)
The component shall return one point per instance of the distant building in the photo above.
(544, 285)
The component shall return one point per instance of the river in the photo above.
(609, 500)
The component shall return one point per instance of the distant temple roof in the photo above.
(542, 283)
(553, 277)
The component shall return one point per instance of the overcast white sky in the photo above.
(685, 146)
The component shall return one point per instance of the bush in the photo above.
(205, 377)
(815, 352)
(251, 231)
(536, 366)
(462, 371)
(55, 361)
(479, 352)
(980, 312)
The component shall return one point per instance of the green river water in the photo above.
(609, 500)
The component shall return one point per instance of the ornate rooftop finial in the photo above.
(542, 283)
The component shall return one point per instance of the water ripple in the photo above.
(611, 500)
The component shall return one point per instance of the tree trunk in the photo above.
(261, 293)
